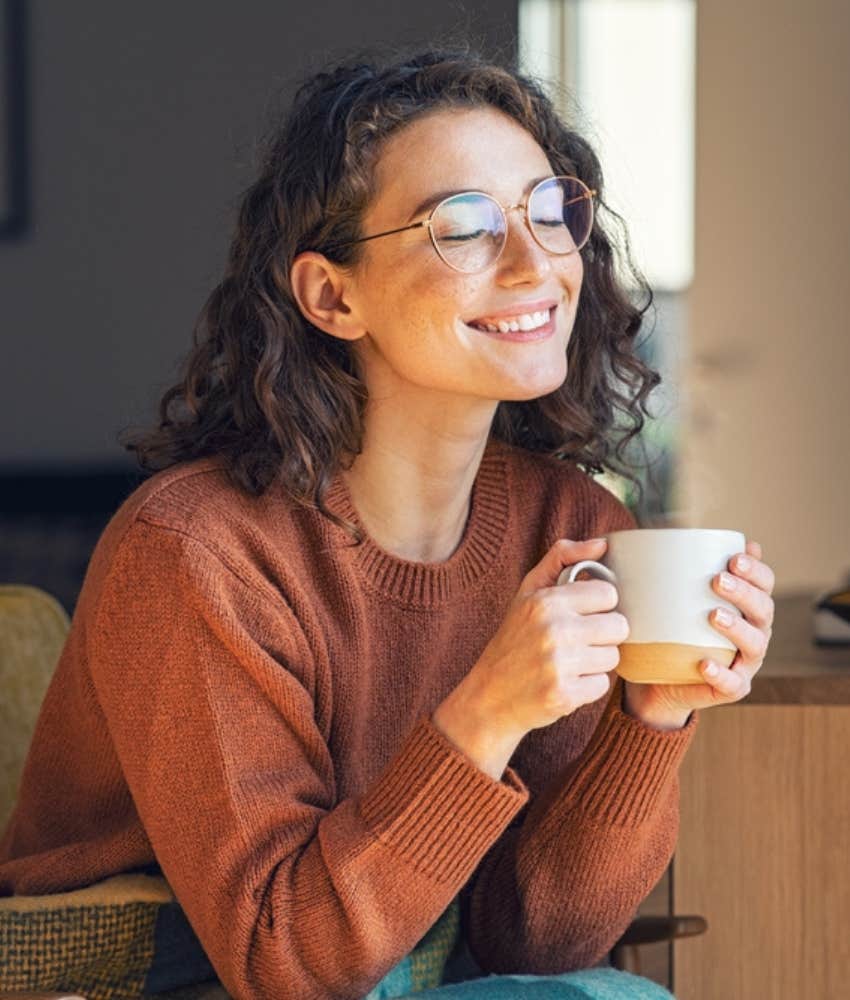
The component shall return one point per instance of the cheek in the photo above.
(570, 272)
(408, 279)
(431, 300)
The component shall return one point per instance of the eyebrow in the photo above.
(434, 199)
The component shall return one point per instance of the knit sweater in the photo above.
(244, 700)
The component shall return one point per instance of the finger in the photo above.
(756, 606)
(751, 641)
(751, 568)
(584, 596)
(601, 634)
(563, 553)
(728, 683)
(604, 628)
(598, 660)
(754, 549)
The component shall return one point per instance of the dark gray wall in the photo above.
(143, 119)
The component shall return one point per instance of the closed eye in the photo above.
(462, 237)
(550, 223)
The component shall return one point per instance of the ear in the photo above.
(322, 292)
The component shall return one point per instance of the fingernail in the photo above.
(727, 581)
(711, 669)
(742, 563)
(723, 617)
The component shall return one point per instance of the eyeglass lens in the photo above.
(469, 230)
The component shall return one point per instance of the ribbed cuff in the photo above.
(436, 809)
(626, 767)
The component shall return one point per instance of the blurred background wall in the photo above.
(143, 125)
(765, 444)
(144, 119)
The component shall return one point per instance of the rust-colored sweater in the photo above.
(244, 699)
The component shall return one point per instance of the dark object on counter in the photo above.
(831, 618)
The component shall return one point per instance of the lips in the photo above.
(524, 316)
(525, 321)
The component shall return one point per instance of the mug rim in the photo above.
(668, 531)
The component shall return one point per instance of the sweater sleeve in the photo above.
(561, 886)
(207, 687)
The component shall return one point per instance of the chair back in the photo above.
(33, 628)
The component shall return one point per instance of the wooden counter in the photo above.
(796, 671)
(764, 839)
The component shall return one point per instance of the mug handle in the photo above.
(594, 568)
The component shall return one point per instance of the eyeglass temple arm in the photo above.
(582, 197)
(390, 232)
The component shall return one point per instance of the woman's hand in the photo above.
(551, 655)
(667, 706)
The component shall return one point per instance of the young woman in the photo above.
(320, 674)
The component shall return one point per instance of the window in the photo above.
(623, 73)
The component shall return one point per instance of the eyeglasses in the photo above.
(469, 230)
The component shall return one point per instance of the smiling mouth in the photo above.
(509, 324)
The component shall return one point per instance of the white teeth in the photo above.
(527, 321)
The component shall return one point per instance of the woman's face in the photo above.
(422, 319)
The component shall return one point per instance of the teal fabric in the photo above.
(588, 984)
(398, 982)
(441, 967)
(425, 966)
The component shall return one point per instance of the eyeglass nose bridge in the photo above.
(525, 207)
(521, 206)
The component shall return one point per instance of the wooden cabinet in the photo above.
(764, 843)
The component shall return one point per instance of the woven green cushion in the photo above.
(33, 627)
(106, 942)
(110, 941)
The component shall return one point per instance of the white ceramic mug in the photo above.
(663, 578)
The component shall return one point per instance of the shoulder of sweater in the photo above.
(198, 503)
(563, 483)
(198, 498)
(190, 534)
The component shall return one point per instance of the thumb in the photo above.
(564, 552)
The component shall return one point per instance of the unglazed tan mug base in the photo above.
(668, 662)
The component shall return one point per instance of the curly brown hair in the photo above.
(280, 399)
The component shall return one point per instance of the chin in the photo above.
(543, 383)
(526, 393)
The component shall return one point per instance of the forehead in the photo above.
(454, 150)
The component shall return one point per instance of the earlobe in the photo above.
(320, 290)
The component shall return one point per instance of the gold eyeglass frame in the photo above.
(589, 194)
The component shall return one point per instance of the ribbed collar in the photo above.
(432, 585)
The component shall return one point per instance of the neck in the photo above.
(412, 491)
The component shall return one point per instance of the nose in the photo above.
(523, 260)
